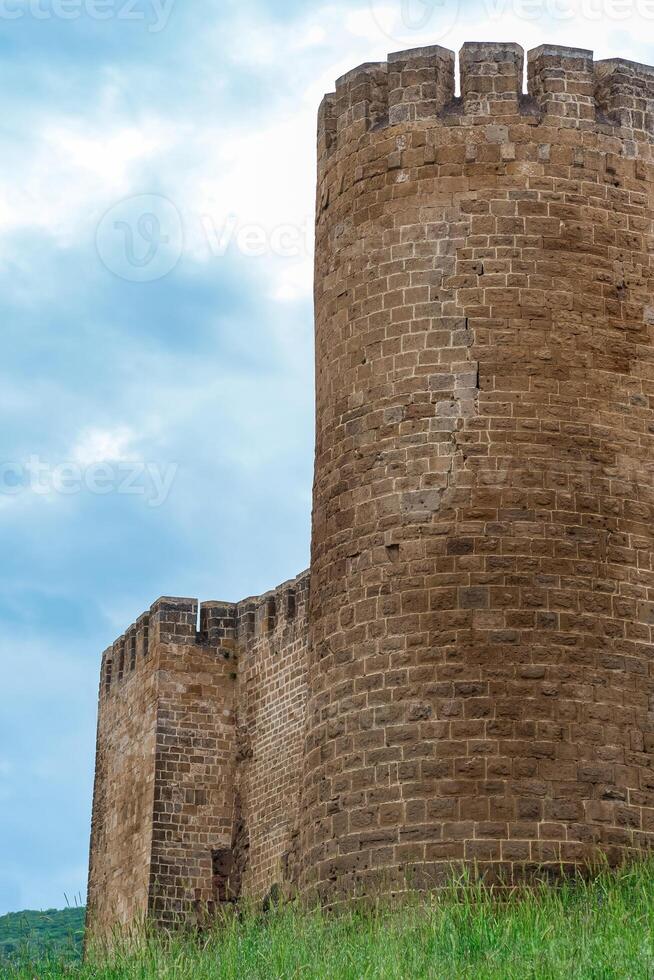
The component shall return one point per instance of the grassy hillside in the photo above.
(597, 931)
(41, 931)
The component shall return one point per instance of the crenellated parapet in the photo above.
(566, 89)
(491, 79)
(625, 93)
(420, 83)
(216, 625)
(125, 655)
(171, 621)
(563, 83)
(174, 621)
(275, 612)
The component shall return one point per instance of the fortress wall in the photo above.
(470, 679)
(163, 799)
(272, 638)
(199, 758)
(480, 660)
(123, 798)
(194, 757)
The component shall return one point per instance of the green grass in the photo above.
(31, 933)
(600, 930)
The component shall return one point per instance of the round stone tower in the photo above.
(481, 677)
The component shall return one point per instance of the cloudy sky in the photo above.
(156, 382)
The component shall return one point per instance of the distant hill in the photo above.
(55, 930)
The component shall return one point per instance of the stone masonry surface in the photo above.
(467, 675)
(200, 744)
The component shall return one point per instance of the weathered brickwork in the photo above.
(482, 583)
(121, 834)
(195, 744)
(469, 676)
(272, 702)
(199, 759)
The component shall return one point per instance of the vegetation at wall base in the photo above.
(602, 929)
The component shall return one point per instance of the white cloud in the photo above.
(104, 157)
(214, 163)
(263, 178)
(264, 169)
(104, 446)
(291, 283)
(70, 173)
